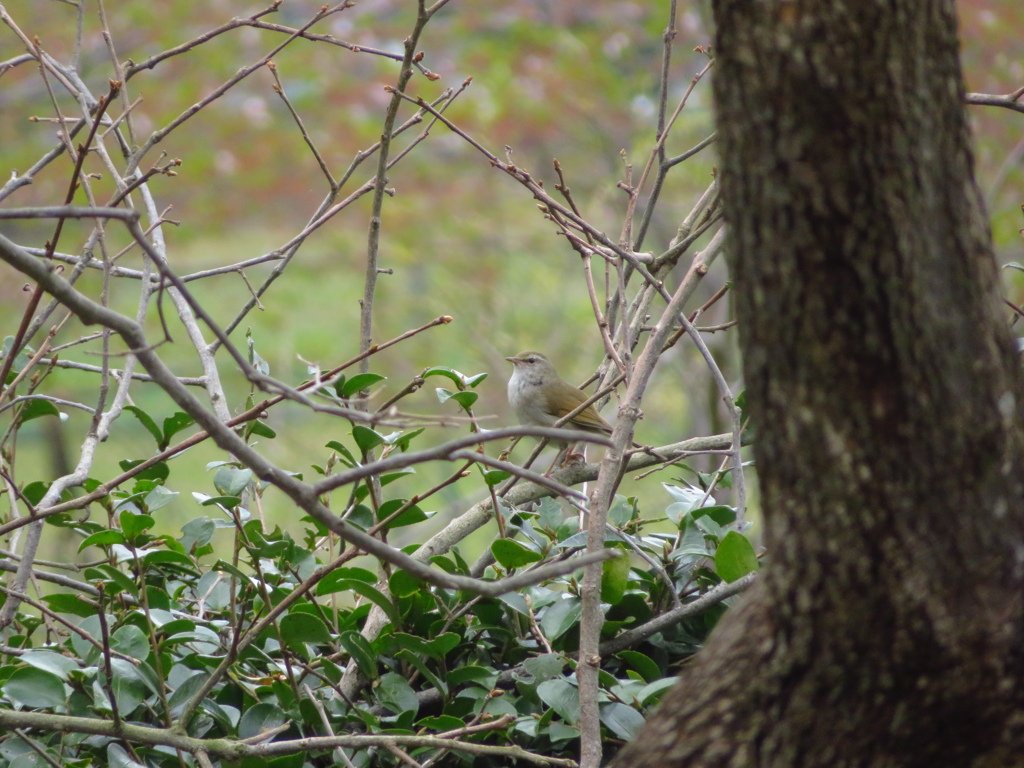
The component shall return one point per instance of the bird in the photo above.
(540, 397)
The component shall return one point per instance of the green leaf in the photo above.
(362, 491)
(147, 421)
(360, 650)
(128, 686)
(197, 533)
(408, 656)
(460, 380)
(560, 618)
(119, 579)
(358, 383)
(457, 378)
(132, 525)
(35, 688)
(562, 696)
(367, 439)
(621, 512)
(411, 643)
(647, 668)
(545, 666)
(652, 693)
(259, 718)
(329, 586)
(228, 502)
(260, 429)
(735, 557)
(614, 578)
(131, 641)
(395, 693)
(686, 500)
(440, 723)
(512, 554)
(562, 734)
(721, 514)
(72, 604)
(741, 403)
(404, 584)
(300, 628)
(113, 580)
(230, 481)
(35, 491)
(118, 757)
(173, 425)
(494, 476)
(159, 497)
(622, 720)
(692, 543)
(410, 516)
(444, 644)
(20, 361)
(37, 407)
(186, 690)
(103, 538)
(465, 399)
(401, 440)
(359, 574)
(550, 514)
(515, 601)
(344, 452)
(167, 557)
(158, 471)
(49, 661)
(257, 362)
(471, 673)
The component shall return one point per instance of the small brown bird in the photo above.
(540, 397)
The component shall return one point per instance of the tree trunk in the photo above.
(885, 389)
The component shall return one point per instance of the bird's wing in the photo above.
(589, 419)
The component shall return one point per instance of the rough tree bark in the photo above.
(885, 388)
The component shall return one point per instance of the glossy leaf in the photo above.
(147, 421)
(643, 664)
(231, 481)
(735, 557)
(35, 687)
(159, 497)
(300, 628)
(364, 589)
(614, 578)
(367, 439)
(175, 424)
(512, 554)
(50, 661)
(344, 452)
(133, 525)
(623, 721)
(562, 696)
(261, 429)
(361, 651)
(37, 407)
(260, 718)
(358, 383)
(159, 471)
(560, 618)
(395, 693)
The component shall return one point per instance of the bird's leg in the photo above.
(558, 458)
(572, 455)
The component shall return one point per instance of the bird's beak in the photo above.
(512, 360)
